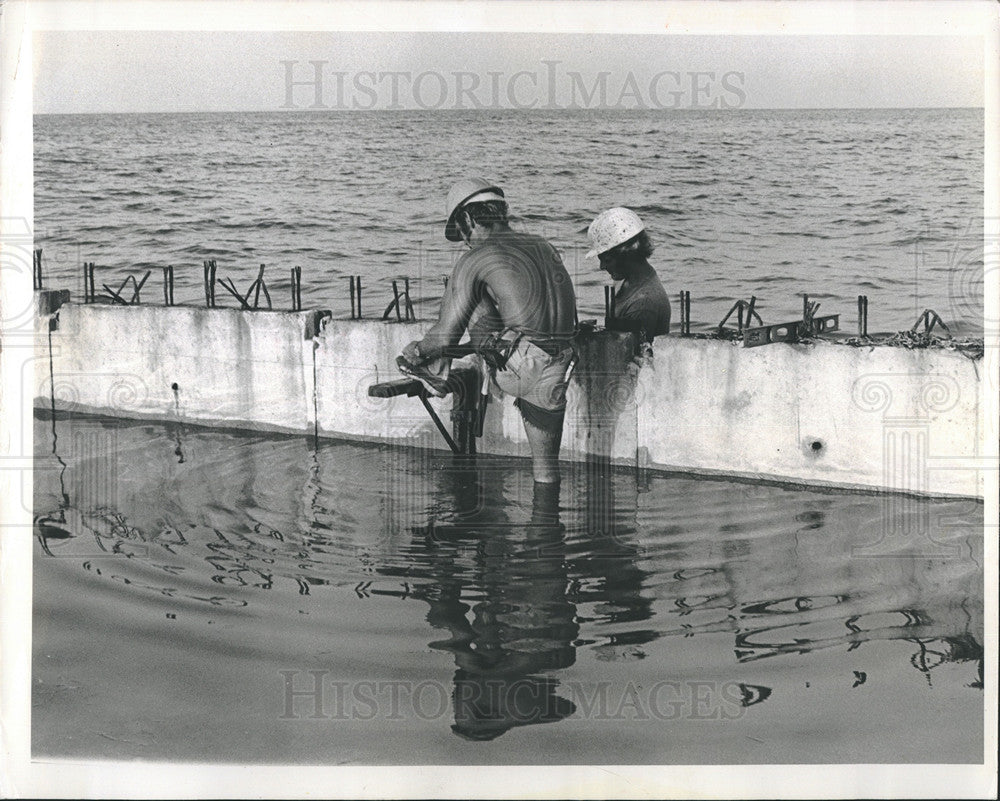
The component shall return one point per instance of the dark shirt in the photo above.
(642, 305)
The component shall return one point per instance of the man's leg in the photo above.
(544, 444)
(542, 423)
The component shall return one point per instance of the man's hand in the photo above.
(644, 356)
(412, 353)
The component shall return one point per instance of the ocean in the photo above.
(774, 204)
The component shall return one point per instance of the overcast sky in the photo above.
(140, 71)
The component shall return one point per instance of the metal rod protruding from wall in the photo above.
(685, 302)
(257, 285)
(210, 267)
(296, 289)
(89, 292)
(355, 297)
(168, 285)
(395, 296)
(410, 314)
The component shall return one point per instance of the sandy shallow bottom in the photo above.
(213, 596)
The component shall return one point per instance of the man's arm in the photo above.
(459, 301)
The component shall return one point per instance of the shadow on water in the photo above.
(540, 596)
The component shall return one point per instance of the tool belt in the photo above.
(497, 348)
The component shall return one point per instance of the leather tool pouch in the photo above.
(497, 348)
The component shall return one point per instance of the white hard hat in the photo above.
(468, 190)
(611, 228)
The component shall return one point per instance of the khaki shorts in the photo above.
(535, 376)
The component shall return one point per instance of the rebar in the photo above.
(168, 285)
(410, 314)
(685, 303)
(395, 300)
(296, 289)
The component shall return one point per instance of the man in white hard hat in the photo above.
(623, 247)
(515, 291)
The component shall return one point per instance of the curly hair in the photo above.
(488, 214)
(637, 248)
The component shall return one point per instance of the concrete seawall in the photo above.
(875, 418)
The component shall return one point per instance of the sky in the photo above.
(80, 71)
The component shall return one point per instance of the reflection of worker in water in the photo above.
(522, 625)
(522, 585)
(623, 247)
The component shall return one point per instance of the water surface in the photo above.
(209, 595)
(832, 203)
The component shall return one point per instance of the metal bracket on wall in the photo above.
(790, 332)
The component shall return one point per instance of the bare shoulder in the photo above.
(540, 245)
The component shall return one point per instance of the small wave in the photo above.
(75, 162)
(857, 222)
(911, 240)
(805, 234)
(656, 208)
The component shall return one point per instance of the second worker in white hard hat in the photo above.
(623, 247)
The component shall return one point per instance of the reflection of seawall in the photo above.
(880, 417)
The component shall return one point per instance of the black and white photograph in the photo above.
(499, 399)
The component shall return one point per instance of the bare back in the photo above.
(515, 279)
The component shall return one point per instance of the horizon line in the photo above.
(522, 110)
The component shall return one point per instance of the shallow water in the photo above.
(832, 202)
(209, 595)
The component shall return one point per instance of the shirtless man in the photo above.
(622, 245)
(514, 295)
